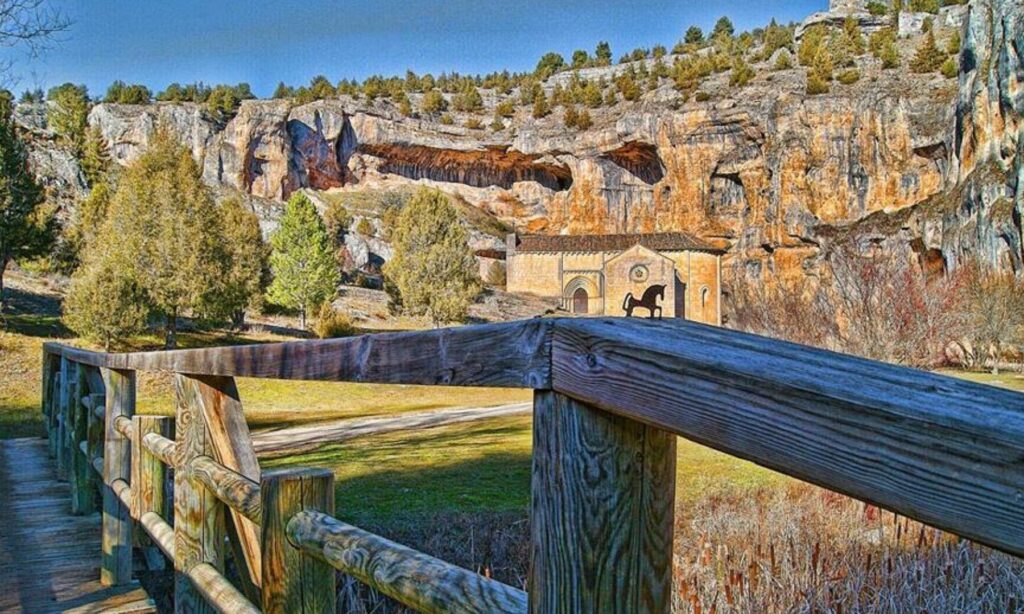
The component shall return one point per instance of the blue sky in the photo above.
(263, 42)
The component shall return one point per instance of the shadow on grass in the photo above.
(19, 419)
(32, 315)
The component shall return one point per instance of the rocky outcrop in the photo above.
(772, 174)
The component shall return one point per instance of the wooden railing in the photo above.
(611, 395)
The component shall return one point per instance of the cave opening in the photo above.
(639, 159)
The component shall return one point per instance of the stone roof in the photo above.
(659, 242)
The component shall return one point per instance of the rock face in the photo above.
(919, 163)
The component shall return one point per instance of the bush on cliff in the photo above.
(928, 58)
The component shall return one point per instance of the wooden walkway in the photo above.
(49, 559)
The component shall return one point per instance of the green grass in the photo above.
(1006, 379)
(484, 466)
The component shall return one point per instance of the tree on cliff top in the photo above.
(433, 270)
(26, 226)
(302, 261)
(68, 117)
(694, 36)
(723, 28)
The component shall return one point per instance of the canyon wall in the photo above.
(918, 164)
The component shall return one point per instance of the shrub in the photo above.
(816, 84)
(883, 47)
(468, 101)
(953, 44)
(849, 77)
(474, 124)
(570, 117)
(702, 97)
(541, 108)
(505, 108)
(784, 61)
(497, 125)
(877, 8)
(950, 69)
(741, 74)
(331, 323)
(433, 102)
(496, 274)
(583, 122)
(447, 119)
(365, 227)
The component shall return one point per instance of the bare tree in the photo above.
(994, 308)
(29, 24)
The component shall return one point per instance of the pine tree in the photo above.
(583, 121)
(433, 271)
(68, 117)
(104, 305)
(571, 116)
(541, 108)
(248, 271)
(95, 158)
(26, 225)
(603, 54)
(929, 58)
(694, 36)
(305, 273)
(723, 28)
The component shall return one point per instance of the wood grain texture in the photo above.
(161, 447)
(419, 581)
(198, 516)
(61, 451)
(149, 473)
(160, 532)
(234, 489)
(82, 477)
(513, 355)
(49, 558)
(116, 564)
(601, 515)
(947, 452)
(219, 592)
(294, 581)
(221, 409)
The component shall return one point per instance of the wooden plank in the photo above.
(420, 581)
(601, 516)
(943, 451)
(294, 581)
(116, 566)
(63, 404)
(149, 475)
(513, 354)
(83, 483)
(220, 593)
(161, 447)
(198, 516)
(221, 409)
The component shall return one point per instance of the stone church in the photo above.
(676, 274)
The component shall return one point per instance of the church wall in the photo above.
(534, 273)
(661, 271)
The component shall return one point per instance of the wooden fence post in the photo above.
(294, 581)
(83, 493)
(149, 476)
(602, 511)
(116, 568)
(63, 406)
(52, 419)
(50, 367)
(198, 514)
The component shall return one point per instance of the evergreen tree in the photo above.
(68, 117)
(433, 102)
(104, 305)
(694, 36)
(95, 157)
(305, 273)
(603, 54)
(26, 226)
(433, 271)
(283, 91)
(468, 100)
(548, 65)
(723, 29)
(541, 108)
(248, 271)
(583, 121)
(571, 116)
(928, 58)
(580, 59)
(163, 236)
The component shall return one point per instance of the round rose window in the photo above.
(638, 273)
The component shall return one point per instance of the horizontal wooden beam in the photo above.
(234, 489)
(513, 355)
(417, 580)
(161, 447)
(218, 591)
(944, 451)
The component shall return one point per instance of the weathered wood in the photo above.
(148, 472)
(221, 594)
(947, 452)
(221, 409)
(198, 516)
(234, 489)
(49, 558)
(294, 581)
(601, 516)
(94, 435)
(116, 566)
(417, 580)
(161, 447)
(124, 425)
(160, 532)
(512, 354)
(52, 421)
(83, 482)
(63, 404)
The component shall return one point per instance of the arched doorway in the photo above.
(580, 301)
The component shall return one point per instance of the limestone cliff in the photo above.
(919, 163)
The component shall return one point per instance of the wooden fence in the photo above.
(611, 395)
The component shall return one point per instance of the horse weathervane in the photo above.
(649, 301)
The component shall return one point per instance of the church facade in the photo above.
(674, 274)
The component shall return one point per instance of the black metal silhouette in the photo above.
(649, 301)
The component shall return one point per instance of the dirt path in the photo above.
(280, 442)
